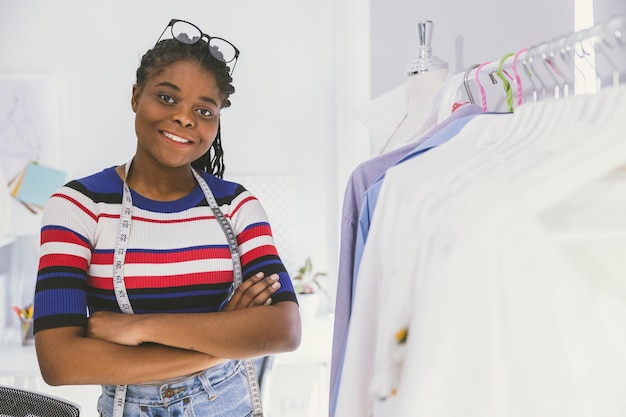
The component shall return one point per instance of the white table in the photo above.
(19, 368)
(300, 379)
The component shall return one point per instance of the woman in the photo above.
(142, 238)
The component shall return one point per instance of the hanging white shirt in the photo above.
(501, 320)
(354, 397)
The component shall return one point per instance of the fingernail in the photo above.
(274, 277)
(269, 301)
(276, 285)
(259, 274)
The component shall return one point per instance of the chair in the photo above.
(15, 402)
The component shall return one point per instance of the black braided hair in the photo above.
(169, 51)
(213, 164)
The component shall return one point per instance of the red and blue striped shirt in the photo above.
(177, 259)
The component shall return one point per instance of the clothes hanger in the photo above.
(608, 50)
(506, 84)
(602, 48)
(617, 31)
(540, 91)
(581, 52)
(483, 94)
(518, 80)
(544, 50)
(616, 27)
(607, 41)
(551, 61)
(466, 82)
(567, 54)
(530, 75)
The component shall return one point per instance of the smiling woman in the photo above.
(283, 109)
(197, 275)
(177, 120)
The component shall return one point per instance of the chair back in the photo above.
(15, 402)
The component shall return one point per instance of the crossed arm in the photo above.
(120, 349)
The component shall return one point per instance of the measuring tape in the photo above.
(121, 295)
(253, 383)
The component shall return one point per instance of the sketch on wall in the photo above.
(28, 132)
(28, 122)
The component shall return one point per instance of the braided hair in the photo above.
(168, 51)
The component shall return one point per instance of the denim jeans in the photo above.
(220, 391)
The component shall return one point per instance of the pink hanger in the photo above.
(483, 94)
(518, 81)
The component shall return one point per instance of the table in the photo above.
(19, 368)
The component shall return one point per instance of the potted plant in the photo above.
(308, 286)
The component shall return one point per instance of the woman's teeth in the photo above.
(175, 138)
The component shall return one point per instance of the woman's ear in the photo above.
(134, 100)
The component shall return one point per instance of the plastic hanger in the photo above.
(550, 58)
(583, 55)
(543, 51)
(605, 49)
(615, 27)
(506, 84)
(540, 91)
(530, 76)
(483, 94)
(620, 22)
(567, 56)
(518, 80)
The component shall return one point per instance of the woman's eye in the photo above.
(166, 98)
(205, 112)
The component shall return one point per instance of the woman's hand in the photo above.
(125, 329)
(255, 291)
(114, 327)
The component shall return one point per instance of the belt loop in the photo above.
(204, 379)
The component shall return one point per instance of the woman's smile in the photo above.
(176, 138)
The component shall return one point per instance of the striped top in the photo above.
(177, 260)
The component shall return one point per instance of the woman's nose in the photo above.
(183, 118)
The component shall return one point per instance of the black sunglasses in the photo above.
(188, 33)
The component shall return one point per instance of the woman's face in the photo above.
(176, 114)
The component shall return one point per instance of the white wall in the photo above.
(605, 9)
(465, 32)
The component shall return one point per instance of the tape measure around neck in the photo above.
(121, 294)
(253, 383)
(226, 227)
(123, 234)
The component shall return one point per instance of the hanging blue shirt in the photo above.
(371, 195)
(441, 134)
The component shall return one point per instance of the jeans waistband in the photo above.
(176, 389)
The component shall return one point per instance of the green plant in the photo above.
(307, 281)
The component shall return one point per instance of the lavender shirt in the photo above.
(363, 177)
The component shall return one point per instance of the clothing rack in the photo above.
(482, 259)
(581, 62)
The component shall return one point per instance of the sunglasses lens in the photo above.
(222, 49)
(186, 32)
(189, 34)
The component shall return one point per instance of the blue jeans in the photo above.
(220, 391)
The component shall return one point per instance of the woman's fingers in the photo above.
(255, 291)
